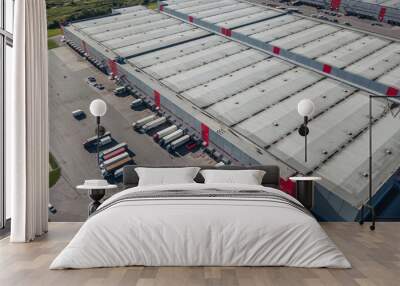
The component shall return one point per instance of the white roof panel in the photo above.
(178, 51)
(158, 43)
(236, 82)
(305, 36)
(135, 29)
(353, 52)
(284, 30)
(191, 61)
(327, 44)
(147, 36)
(214, 70)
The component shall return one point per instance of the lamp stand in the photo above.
(98, 139)
(303, 131)
(369, 204)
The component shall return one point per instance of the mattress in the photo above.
(201, 225)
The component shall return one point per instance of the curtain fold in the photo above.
(27, 124)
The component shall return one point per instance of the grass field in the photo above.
(55, 171)
(53, 32)
(59, 11)
(51, 44)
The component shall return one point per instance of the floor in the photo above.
(375, 257)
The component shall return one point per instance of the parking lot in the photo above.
(348, 21)
(69, 91)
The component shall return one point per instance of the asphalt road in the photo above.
(68, 91)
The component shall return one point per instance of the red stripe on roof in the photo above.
(191, 19)
(327, 69)
(392, 91)
(276, 50)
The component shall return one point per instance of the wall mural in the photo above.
(227, 83)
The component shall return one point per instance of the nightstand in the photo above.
(96, 191)
(305, 190)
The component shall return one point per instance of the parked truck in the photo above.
(105, 153)
(162, 133)
(93, 139)
(107, 171)
(136, 103)
(114, 159)
(178, 142)
(138, 124)
(153, 124)
(171, 137)
(119, 91)
(105, 140)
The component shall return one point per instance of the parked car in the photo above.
(99, 86)
(91, 80)
(78, 114)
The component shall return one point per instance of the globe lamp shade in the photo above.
(305, 107)
(98, 108)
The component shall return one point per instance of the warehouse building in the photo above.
(380, 10)
(233, 72)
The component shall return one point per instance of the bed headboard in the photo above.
(270, 179)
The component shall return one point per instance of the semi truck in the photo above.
(113, 154)
(105, 140)
(107, 171)
(118, 173)
(138, 124)
(178, 142)
(106, 152)
(93, 139)
(171, 137)
(153, 124)
(113, 160)
(162, 133)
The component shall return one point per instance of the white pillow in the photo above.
(166, 176)
(243, 177)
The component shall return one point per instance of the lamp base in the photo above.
(303, 130)
(100, 130)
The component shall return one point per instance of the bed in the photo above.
(201, 224)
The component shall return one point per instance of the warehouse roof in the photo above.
(255, 94)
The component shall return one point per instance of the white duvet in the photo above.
(200, 231)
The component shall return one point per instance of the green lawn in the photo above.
(55, 171)
(59, 11)
(51, 44)
(53, 32)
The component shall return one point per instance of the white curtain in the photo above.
(27, 123)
